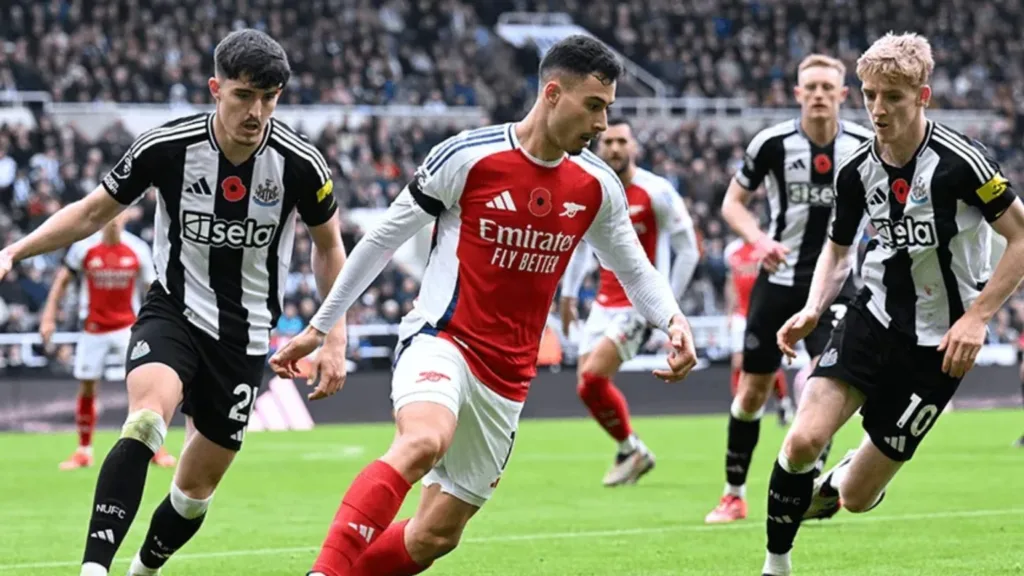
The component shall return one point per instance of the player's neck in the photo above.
(626, 176)
(534, 140)
(234, 152)
(820, 132)
(899, 152)
(112, 237)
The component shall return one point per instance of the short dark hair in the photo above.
(581, 55)
(252, 56)
(620, 120)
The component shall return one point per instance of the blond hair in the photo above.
(898, 58)
(824, 61)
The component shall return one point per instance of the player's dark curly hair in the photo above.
(253, 56)
(581, 55)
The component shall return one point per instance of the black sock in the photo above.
(117, 498)
(740, 449)
(789, 496)
(819, 466)
(168, 531)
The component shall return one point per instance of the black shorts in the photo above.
(220, 380)
(771, 305)
(904, 386)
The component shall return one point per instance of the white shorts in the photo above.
(92, 351)
(737, 330)
(431, 369)
(625, 327)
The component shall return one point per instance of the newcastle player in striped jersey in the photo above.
(229, 186)
(933, 197)
(795, 160)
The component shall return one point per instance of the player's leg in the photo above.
(117, 346)
(88, 370)
(816, 343)
(1020, 358)
(784, 402)
(770, 307)
(620, 341)
(427, 392)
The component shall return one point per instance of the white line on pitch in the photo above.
(566, 535)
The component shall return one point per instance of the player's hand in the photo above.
(773, 254)
(285, 362)
(683, 356)
(328, 369)
(794, 330)
(962, 343)
(6, 262)
(567, 309)
(47, 326)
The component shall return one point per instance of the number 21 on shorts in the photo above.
(243, 408)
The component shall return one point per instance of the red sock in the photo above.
(780, 384)
(734, 381)
(606, 404)
(369, 506)
(85, 419)
(388, 556)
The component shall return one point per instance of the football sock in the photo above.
(734, 381)
(388, 555)
(174, 523)
(781, 390)
(789, 496)
(744, 430)
(628, 445)
(606, 404)
(368, 507)
(120, 484)
(85, 420)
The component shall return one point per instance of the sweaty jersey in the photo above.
(744, 266)
(657, 213)
(928, 258)
(506, 225)
(110, 277)
(224, 233)
(797, 176)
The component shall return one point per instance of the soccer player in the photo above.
(113, 267)
(933, 197)
(743, 267)
(615, 330)
(796, 161)
(511, 203)
(229, 185)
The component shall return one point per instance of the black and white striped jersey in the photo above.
(929, 256)
(797, 175)
(224, 233)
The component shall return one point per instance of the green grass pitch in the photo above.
(957, 509)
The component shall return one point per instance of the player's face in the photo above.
(244, 110)
(820, 92)
(893, 107)
(580, 111)
(617, 147)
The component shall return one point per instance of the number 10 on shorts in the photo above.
(924, 417)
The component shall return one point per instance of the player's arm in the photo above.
(48, 319)
(757, 160)
(674, 219)
(730, 294)
(838, 255)
(576, 271)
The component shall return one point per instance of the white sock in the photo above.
(738, 491)
(140, 569)
(792, 469)
(838, 475)
(777, 564)
(736, 410)
(87, 450)
(629, 444)
(92, 569)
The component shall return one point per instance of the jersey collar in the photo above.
(515, 144)
(928, 129)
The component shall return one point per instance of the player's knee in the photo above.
(146, 426)
(590, 384)
(857, 499)
(421, 450)
(803, 446)
(433, 541)
(753, 391)
(192, 501)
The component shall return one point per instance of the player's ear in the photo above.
(924, 95)
(552, 92)
(214, 85)
(797, 93)
(844, 92)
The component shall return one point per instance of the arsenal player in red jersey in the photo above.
(112, 266)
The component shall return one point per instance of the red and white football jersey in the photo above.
(744, 266)
(110, 278)
(657, 212)
(507, 225)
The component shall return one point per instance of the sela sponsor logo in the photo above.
(816, 195)
(905, 233)
(528, 245)
(203, 228)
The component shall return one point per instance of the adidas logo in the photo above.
(785, 519)
(281, 407)
(877, 198)
(365, 531)
(798, 165)
(898, 443)
(200, 188)
(141, 349)
(239, 436)
(105, 535)
(502, 201)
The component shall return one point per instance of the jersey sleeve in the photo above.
(984, 185)
(129, 179)
(316, 201)
(147, 270)
(75, 255)
(440, 179)
(757, 161)
(670, 210)
(849, 212)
